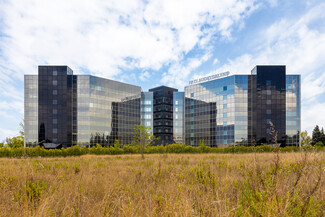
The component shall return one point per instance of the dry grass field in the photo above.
(264, 184)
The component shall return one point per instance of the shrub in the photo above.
(136, 149)
(319, 144)
(34, 190)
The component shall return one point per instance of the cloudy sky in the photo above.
(161, 42)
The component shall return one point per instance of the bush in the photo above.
(171, 148)
(319, 144)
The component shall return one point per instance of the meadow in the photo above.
(213, 184)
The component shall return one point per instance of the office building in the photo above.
(163, 114)
(78, 109)
(219, 110)
(245, 105)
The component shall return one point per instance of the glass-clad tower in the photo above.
(268, 104)
(55, 104)
(163, 114)
(69, 109)
(216, 111)
(106, 110)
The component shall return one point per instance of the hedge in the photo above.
(172, 148)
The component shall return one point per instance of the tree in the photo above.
(317, 135)
(274, 134)
(319, 144)
(117, 144)
(22, 129)
(142, 137)
(202, 143)
(305, 139)
(15, 142)
(322, 136)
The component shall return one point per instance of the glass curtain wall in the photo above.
(147, 110)
(219, 107)
(178, 117)
(107, 110)
(241, 109)
(293, 110)
(268, 104)
(163, 114)
(55, 103)
(210, 108)
(31, 110)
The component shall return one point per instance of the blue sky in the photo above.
(170, 42)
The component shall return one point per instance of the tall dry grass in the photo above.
(264, 184)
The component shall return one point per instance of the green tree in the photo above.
(305, 139)
(15, 142)
(319, 144)
(22, 129)
(317, 135)
(322, 136)
(117, 144)
(142, 137)
(274, 134)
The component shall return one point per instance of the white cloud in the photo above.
(215, 61)
(178, 73)
(109, 38)
(144, 76)
(273, 3)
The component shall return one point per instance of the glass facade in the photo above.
(163, 114)
(31, 110)
(293, 113)
(178, 117)
(236, 110)
(55, 104)
(147, 109)
(241, 109)
(106, 110)
(216, 112)
(268, 104)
